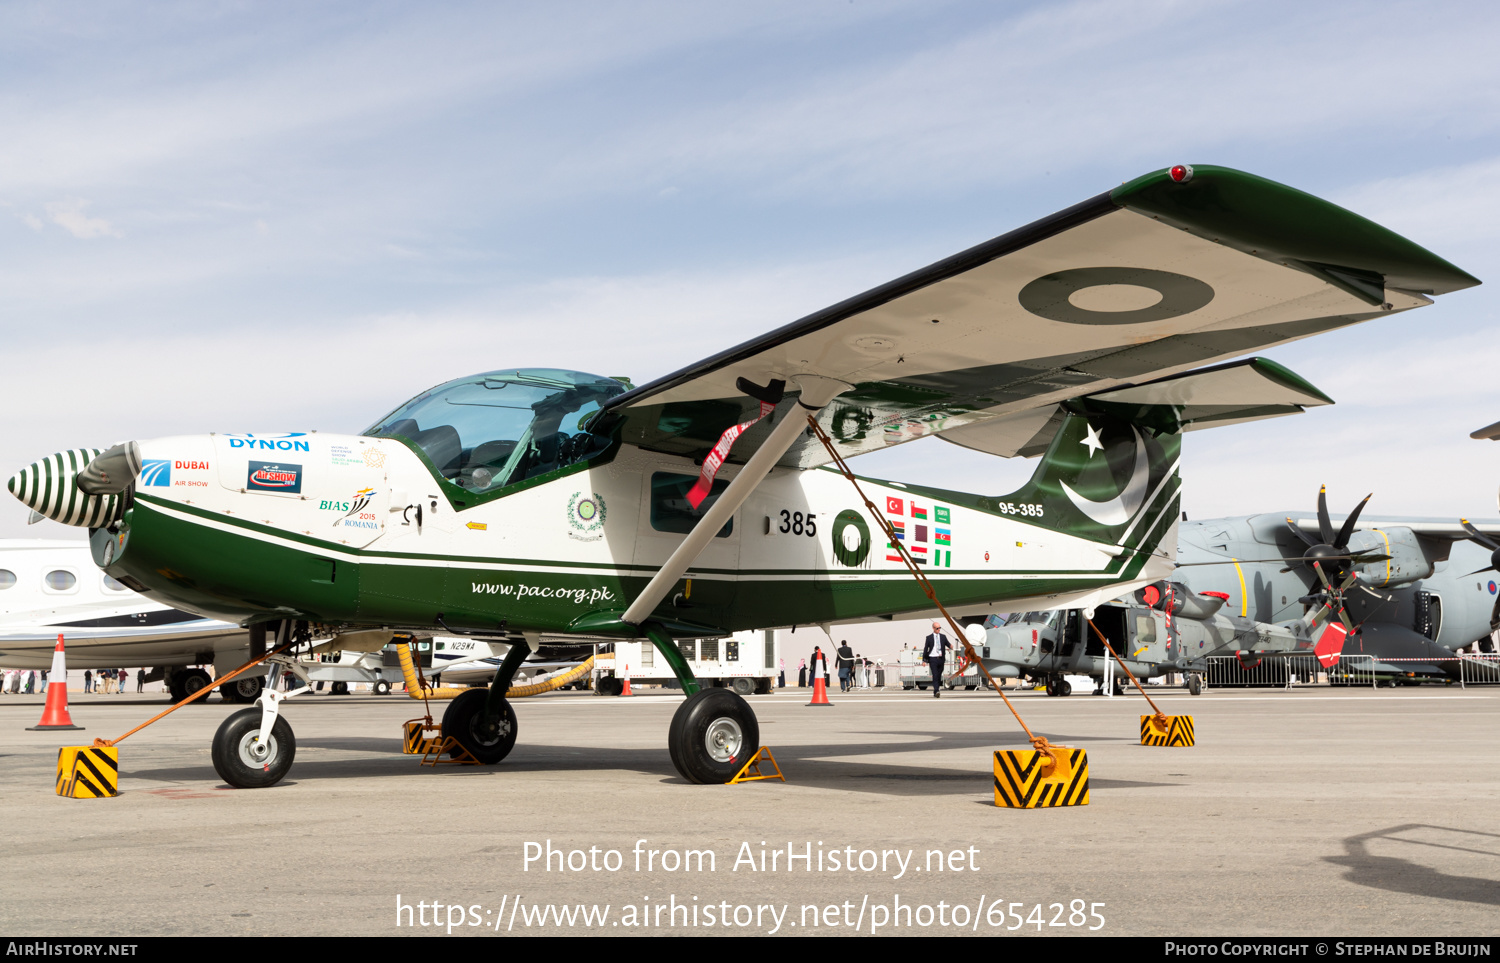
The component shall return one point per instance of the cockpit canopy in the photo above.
(490, 430)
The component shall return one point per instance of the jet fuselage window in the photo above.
(7, 578)
(60, 580)
(496, 429)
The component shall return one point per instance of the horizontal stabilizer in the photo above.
(1229, 394)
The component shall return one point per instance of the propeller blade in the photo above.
(1325, 525)
(1307, 539)
(34, 517)
(1479, 536)
(1477, 571)
(1349, 522)
(112, 472)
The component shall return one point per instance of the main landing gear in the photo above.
(713, 735)
(487, 738)
(1058, 686)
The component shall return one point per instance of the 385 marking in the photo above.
(796, 523)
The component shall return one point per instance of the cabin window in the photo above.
(670, 511)
(61, 580)
(1145, 629)
(7, 578)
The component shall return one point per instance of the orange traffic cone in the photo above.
(626, 691)
(820, 689)
(55, 713)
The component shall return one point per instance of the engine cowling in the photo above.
(1407, 563)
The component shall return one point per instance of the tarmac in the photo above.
(1310, 812)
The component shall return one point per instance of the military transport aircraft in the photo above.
(1164, 628)
(524, 501)
(1422, 594)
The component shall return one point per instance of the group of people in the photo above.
(855, 671)
(22, 681)
(110, 680)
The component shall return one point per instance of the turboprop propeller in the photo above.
(1494, 565)
(82, 486)
(1329, 554)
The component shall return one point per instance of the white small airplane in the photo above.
(51, 587)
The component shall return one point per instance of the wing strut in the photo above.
(816, 392)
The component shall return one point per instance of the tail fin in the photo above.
(1106, 477)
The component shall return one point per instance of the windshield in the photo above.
(495, 429)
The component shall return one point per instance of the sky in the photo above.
(269, 217)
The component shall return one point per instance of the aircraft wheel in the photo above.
(244, 690)
(1119, 688)
(339, 688)
(235, 751)
(1065, 688)
(1051, 686)
(713, 735)
(743, 687)
(1195, 684)
(187, 682)
(464, 721)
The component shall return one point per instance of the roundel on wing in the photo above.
(1114, 295)
(851, 538)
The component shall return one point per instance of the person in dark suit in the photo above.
(933, 651)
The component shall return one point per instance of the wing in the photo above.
(1437, 528)
(1173, 270)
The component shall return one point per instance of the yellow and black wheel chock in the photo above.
(1163, 730)
(419, 735)
(1041, 778)
(447, 751)
(88, 772)
(751, 771)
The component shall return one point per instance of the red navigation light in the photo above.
(1182, 173)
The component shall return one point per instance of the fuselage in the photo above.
(346, 529)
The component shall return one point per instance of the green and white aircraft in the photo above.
(519, 504)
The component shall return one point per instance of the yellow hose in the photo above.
(414, 686)
(556, 682)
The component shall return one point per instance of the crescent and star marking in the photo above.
(1121, 508)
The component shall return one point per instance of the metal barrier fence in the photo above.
(1350, 670)
(1227, 672)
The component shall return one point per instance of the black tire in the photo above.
(464, 722)
(1195, 685)
(243, 690)
(233, 756)
(339, 688)
(743, 687)
(922, 686)
(1052, 685)
(381, 687)
(187, 682)
(1065, 688)
(713, 735)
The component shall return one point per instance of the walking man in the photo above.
(933, 651)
